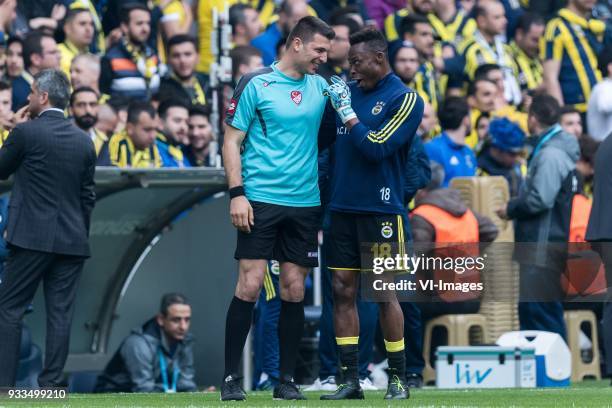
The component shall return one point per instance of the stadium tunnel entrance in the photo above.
(152, 232)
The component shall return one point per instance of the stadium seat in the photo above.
(461, 329)
(501, 280)
(575, 320)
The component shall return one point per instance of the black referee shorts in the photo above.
(283, 233)
(349, 232)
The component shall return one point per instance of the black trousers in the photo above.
(24, 271)
(605, 252)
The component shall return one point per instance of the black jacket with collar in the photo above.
(53, 194)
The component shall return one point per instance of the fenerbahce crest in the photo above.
(378, 107)
(387, 230)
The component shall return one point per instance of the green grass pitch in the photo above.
(586, 394)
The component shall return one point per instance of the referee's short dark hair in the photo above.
(170, 299)
(452, 112)
(546, 109)
(604, 59)
(136, 108)
(372, 38)
(307, 27)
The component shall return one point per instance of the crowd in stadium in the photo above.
(494, 77)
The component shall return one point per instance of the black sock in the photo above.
(237, 326)
(397, 363)
(349, 362)
(290, 330)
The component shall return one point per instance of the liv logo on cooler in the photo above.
(469, 375)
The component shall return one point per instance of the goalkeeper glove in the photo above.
(340, 97)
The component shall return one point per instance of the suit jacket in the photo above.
(53, 193)
(600, 220)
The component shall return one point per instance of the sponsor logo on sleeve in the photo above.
(232, 107)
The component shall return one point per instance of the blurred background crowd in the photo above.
(145, 86)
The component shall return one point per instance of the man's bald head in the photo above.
(85, 71)
(490, 17)
(290, 12)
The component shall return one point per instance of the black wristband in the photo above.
(236, 192)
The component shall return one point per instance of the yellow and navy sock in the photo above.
(349, 358)
(397, 357)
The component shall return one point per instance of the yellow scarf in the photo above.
(597, 27)
(3, 135)
(124, 153)
(146, 64)
(199, 97)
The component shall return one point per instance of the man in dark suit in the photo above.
(48, 224)
(599, 232)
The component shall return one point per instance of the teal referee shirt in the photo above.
(281, 118)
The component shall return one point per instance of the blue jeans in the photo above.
(546, 316)
(539, 308)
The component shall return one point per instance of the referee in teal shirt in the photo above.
(270, 155)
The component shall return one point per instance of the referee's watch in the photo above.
(236, 191)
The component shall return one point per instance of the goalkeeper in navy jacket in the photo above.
(373, 138)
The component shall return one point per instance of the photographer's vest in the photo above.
(583, 276)
(451, 229)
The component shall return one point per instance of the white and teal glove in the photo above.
(340, 97)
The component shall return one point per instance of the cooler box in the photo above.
(485, 367)
(553, 357)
